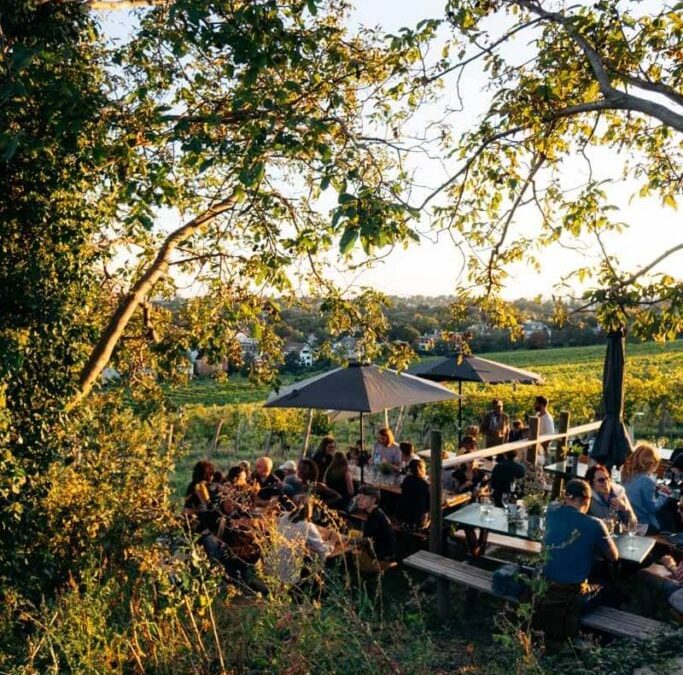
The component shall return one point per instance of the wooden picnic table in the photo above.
(470, 517)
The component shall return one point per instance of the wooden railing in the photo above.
(531, 445)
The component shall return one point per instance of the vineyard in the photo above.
(226, 421)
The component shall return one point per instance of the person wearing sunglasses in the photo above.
(608, 500)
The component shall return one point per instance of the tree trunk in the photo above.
(102, 351)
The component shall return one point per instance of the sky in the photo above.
(434, 266)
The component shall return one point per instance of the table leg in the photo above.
(476, 545)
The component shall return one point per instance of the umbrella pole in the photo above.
(459, 412)
(361, 456)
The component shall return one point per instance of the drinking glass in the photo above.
(609, 524)
(485, 508)
(632, 530)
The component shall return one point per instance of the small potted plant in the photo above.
(386, 468)
(534, 504)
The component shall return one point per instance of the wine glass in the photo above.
(632, 531)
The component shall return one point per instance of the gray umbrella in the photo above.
(359, 388)
(613, 443)
(468, 368)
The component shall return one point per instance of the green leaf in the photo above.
(348, 240)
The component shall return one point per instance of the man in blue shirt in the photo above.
(572, 541)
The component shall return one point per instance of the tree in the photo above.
(565, 84)
(234, 119)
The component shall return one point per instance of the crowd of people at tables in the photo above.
(578, 537)
(224, 509)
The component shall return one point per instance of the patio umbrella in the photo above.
(361, 389)
(613, 444)
(469, 368)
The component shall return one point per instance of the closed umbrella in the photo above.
(469, 368)
(361, 389)
(613, 443)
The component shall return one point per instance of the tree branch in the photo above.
(618, 100)
(104, 348)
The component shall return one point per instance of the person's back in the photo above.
(413, 504)
(572, 541)
(377, 529)
(504, 473)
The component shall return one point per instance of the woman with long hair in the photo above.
(638, 478)
(338, 477)
(323, 455)
(387, 449)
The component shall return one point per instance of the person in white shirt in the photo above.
(296, 540)
(546, 425)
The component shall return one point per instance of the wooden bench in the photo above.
(605, 619)
(503, 541)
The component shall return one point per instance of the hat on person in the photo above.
(369, 491)
(289, 465)
(577, 488)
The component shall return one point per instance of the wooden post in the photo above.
(533, 435)
(561, 452)
(216, 436)
(436, 524)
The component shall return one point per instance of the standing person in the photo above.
(608, 500)
(413, 503)
(572, 540)
(379, 545)
(504, 474)
(638, 477)
(338, 477)
(387, 449)
(546, 426)
(495, 425)
(323, 455)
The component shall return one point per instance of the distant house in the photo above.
(479, 328)
(347, 347)
(303, 350)
(249, 346)
(531, 327)
(426, 342)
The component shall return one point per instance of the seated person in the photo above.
(638, 477)
(285, 469)
(608, 500)
(407, 454)
(379, 542)
(297, 545)
(469, 478)
(338, 477)
(306, 482)
(267, 484)
(199, 504)
(467, 444)
(354, 451)
(236, 494)
(571, 542)
(323, 455)
(413, 503)
(504, 474)
(387, 449)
